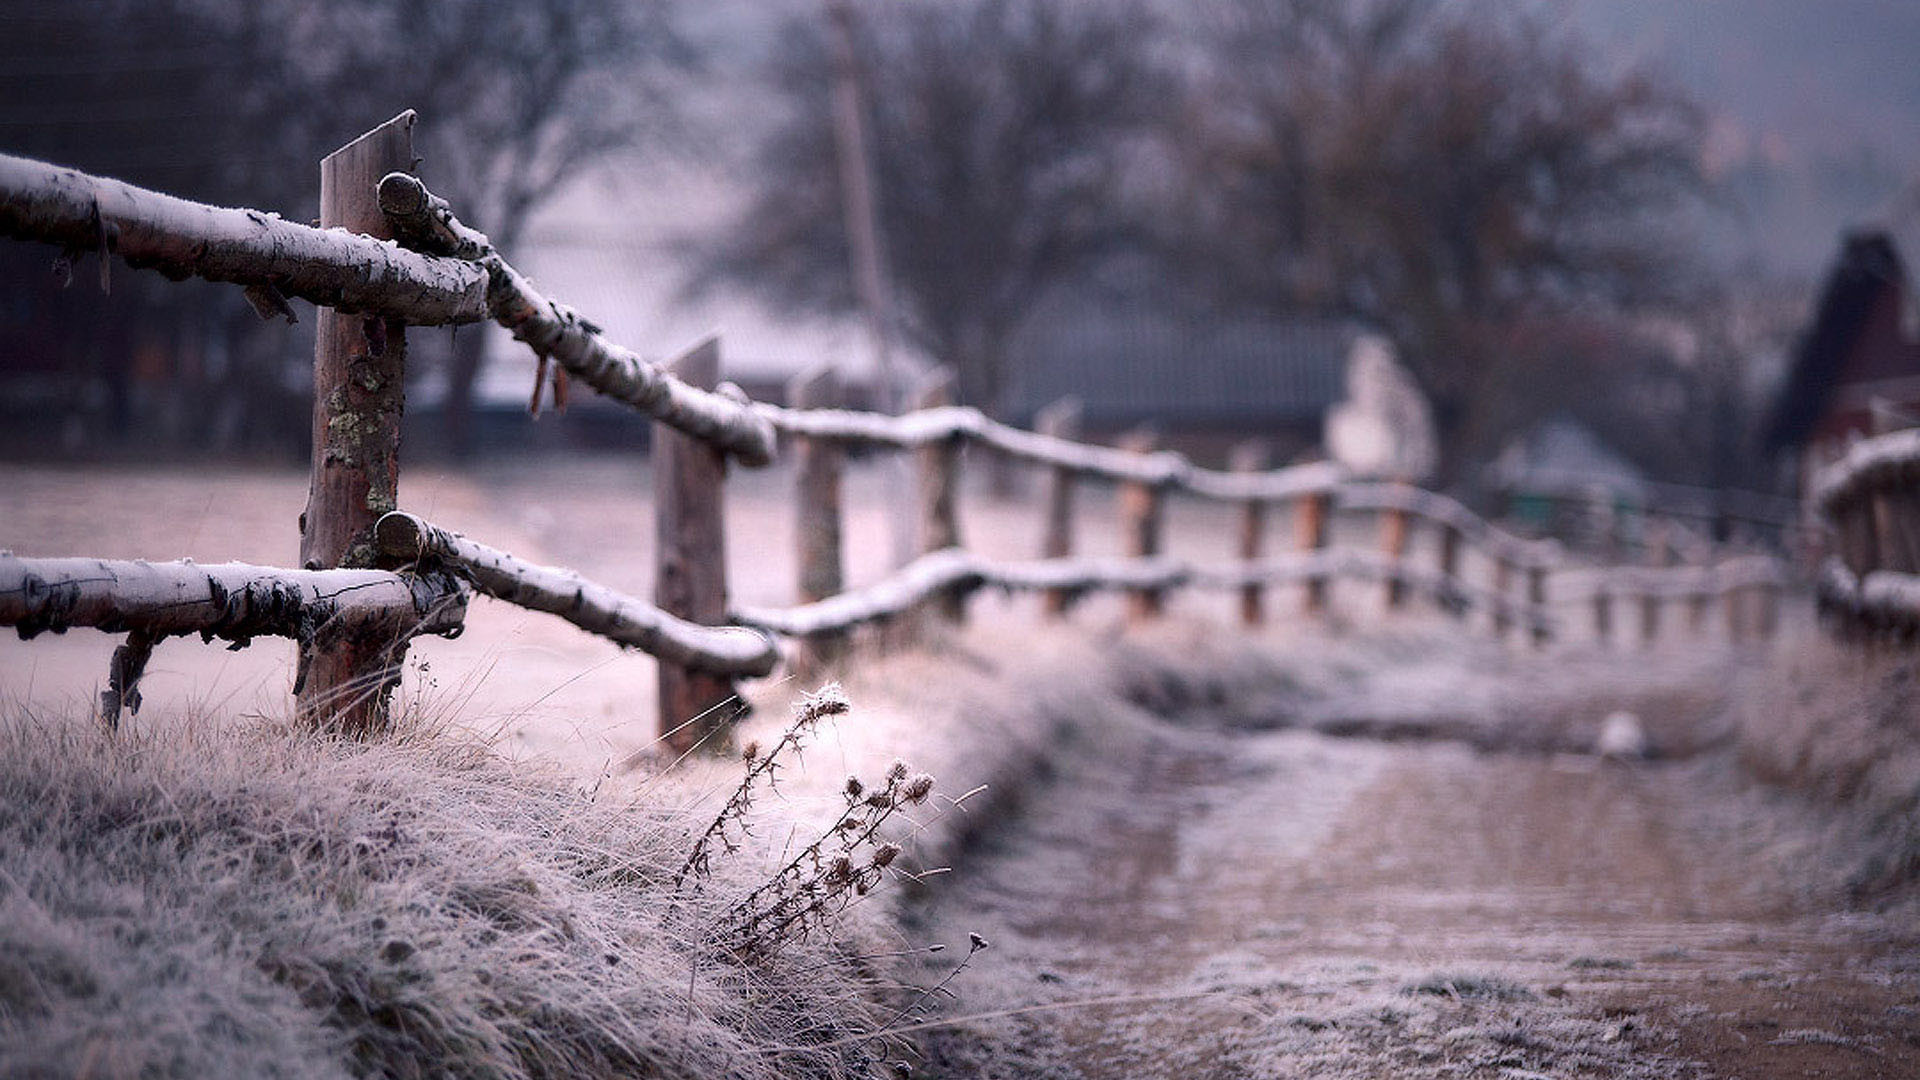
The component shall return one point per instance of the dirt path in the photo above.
(1311, 906)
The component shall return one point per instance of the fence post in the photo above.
(1140, 520)
(359, 379)
(1451, 596)
(690, 557)
(1060, 420)
(1393, 544)
(1311, 517)
(939, 468)
(1502, 596)
(1603, 610)
(1537, 604)
(1660, 553)
(1251, 456)
(818, 465)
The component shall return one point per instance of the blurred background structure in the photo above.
(1620, 236)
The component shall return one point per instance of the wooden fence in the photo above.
(1871, 496)
(388, 254)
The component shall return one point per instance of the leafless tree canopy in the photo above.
(1433, 169)
(1001, 135)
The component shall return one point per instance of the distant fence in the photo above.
(391, 255)
(1871, 496)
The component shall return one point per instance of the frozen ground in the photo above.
(1309, 851)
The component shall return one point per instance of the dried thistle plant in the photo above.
(844, 863)
(729, 826)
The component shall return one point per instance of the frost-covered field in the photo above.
(1347, 849)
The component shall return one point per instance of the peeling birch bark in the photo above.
(273, 257)
(722, 418)
(717, 650)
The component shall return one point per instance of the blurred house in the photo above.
(1204, 382)
(1560, 479)
(1856, 369)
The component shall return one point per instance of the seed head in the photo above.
(749, 752)
(896, 771)
(885, 854)
(917, 789)
(854, 787)
(880, 799)
(976, 942)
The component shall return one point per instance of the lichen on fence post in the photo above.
(359, 380)
(690, 559)
(818, 465)
(1060, 420)
(1142, 505)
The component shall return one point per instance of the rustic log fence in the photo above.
(390, 255)
(1871, 496)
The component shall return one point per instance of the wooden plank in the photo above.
(1537, 603)
(1451, 596)
(818, 465)
(1141, 514)
(1252, 456)
(1060, 420)
(359, 392)
(1503, 578)
(690, 582)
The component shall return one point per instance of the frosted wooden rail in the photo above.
(589, 606)
(725, 419)
(1884, 461)
(1880, 600)
(273, 257)
(1163, 468)
(1872, 498)
(235, 602)
(1441, 510)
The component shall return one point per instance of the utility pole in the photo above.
(866, 251)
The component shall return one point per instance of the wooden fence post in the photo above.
(1659, 553)
(1061, 420)
(1141, 511)
(1452, 598)
(1253, 455)
(1537, 604)
(939, 467)
(359, 379)
(1311, 527)
(1503, 596)
(1603, 610)
(1393, 545)
(818, 464)
(690, 558)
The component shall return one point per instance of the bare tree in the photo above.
(1439, 169)
(1001, 131)
(235, 101)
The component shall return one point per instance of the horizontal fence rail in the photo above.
(1872, 498)
(442, 271)
(273, 258)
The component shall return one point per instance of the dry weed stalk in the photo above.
(844, 863)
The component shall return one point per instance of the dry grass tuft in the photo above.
(203, 901)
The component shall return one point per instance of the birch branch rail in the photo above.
(180, 239)
(1445, 511)
(725, 419)
(1881, 462)
(232, 601)
(594, 608)
(1880, 599)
